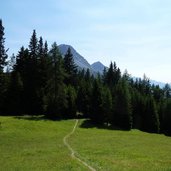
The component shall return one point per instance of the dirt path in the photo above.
(71, 149)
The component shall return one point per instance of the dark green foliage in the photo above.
(96, 113)
(33, 77)
(167, 118)
(4, 83)
(122, 106)
(157, 93)
(84, 98)
(138, 105)
(71, 108)
(33, 46)
(3, 77)
(15, 95)
(57, 101)
(107, 104)
(167, 91)
(70, 68)
(3, 55)
(150, 117)
(43, 69)
(112, 76)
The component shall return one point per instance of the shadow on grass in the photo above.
(90, 124)
(40, 118)
(32, 118)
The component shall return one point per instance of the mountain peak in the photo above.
(79, 60)
(98, 67)
(97, 63)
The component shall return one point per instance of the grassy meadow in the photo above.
(37, 144)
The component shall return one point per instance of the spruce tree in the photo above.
(15, 95)
(96, 112)
(107, 105)
(112, 76)
(57, 98)
(71, 108)
(151, 121)
(167, 117)
(33, 46)
(43, 71)
(122, 109)
(3, 55)
(3, 79)
(70, 67)
(33, 76)
(84, 98)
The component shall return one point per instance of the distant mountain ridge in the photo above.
(96, 67)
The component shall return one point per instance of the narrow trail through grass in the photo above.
(72, 150)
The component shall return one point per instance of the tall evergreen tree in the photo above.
(96, 111)
(112, 76)
(122, 113)
(167, 91)
(57, 98)
(71, 108)
(43, 74)
(15, 95)
(33, 76)
(150, 116)
(3, 55)
(84, 98)
(70, 67)
(33, 46)
(167, 117)
(107, 105)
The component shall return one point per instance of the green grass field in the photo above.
(30, 144)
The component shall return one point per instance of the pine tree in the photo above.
(96, 112)
(57, 98)
(112, 76)
(151, 121)
(71, 108)
(3, 77)
(122, 112)
(108, 77)
(3, 55)
(33, 76)
(22, 69)
(33, 46)
(70, 67)
(107, 105)
(167, 91)
(15, 95)
(84, 97)
(43, 74)
(167, 117)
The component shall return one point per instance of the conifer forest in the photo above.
(38, 80)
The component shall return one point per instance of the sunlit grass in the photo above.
(123, 150)
(37, 144)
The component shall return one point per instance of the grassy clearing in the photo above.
(35, 145)
(111, 150)
(38, 145)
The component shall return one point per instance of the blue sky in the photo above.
(134, 33)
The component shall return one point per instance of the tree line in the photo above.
(40, 81)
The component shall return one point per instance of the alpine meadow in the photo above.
(58, 112)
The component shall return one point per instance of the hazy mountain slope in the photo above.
(98, 67)
(79, 60)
